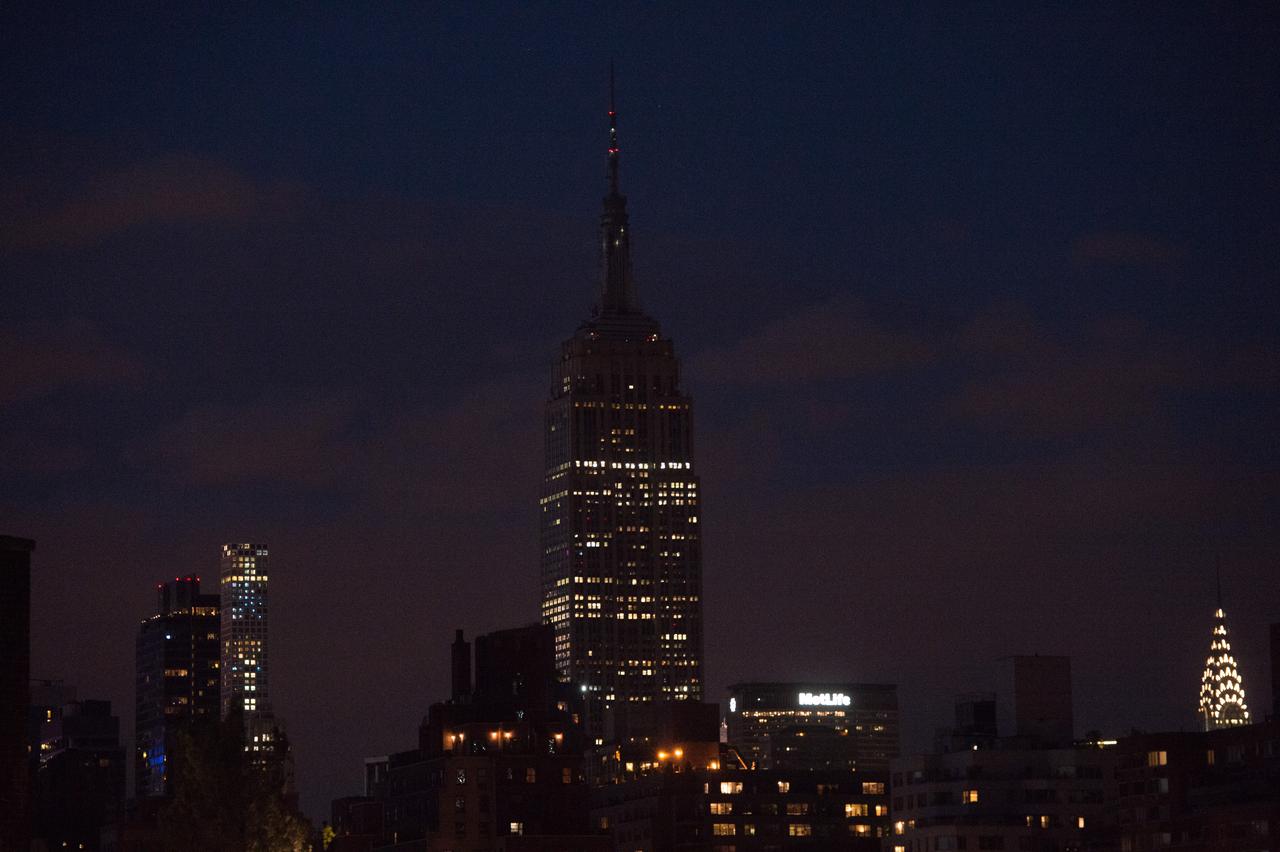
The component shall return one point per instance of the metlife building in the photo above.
(814, 725)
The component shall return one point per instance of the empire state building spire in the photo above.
(617, 296)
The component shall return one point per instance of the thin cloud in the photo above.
(171, 189)
(41, 359)
(832, 340)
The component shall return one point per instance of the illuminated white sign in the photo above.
(823, 699)
(733, 705)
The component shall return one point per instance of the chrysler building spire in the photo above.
(616, 291)
(1221, 686)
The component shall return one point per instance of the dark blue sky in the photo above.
(978, 306)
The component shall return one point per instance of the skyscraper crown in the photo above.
(1221, 686)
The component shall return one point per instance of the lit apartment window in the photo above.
(1080, 822)
(873, 788)
(723, 829)
(969, 797)
(800, 829)
(722, 808)
(730, 788)
(1044, 820)
(1157, 758)
(881, 810)
(518, 828)
(797, 808)
(899, 827)
(855, 809)
(784, 786)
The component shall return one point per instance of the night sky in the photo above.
(978, 307)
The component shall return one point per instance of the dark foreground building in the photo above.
(730, 808)
(80, 780)
(177, 659)
(15, 658)
(1213, 791)
(621, 543)
(499, 766)
(1010, 775)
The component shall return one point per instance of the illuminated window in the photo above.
(800, 829)
(784, 786)
(899, 827)
(882, 810)
(722, 808)
(873, 788)
(1157, 758)
(518, 828)
(969, 797)
(861, 829)
(855, 809)
(530, 775)
(797, 808)
(730, 788)
(1044, 820)
(724, 829)
(1080, 822)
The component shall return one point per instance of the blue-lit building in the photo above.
(178, 678)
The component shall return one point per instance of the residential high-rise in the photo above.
(15, 676)
(178, 678)
(1222, 702)
(245, 673)
(621, 542)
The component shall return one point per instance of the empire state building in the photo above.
(621, 539)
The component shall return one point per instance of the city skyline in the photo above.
(977, 310)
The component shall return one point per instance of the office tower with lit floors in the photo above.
(621, 543)
(178, 678)
(245, 668)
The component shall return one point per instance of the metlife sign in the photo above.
(823, 699)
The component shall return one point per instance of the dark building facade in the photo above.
(15, 657)
(1211, 791)
(730, 808)
(815, 725)
(1275, 671)
(498, 766)
(1008, 798)
(1034, 700)
(621, 544)
(80, 781)
(178, 680)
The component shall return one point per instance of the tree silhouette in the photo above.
(226, 799)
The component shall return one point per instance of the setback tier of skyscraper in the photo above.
(621, 547)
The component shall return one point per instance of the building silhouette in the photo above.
(497, 766)
(15, 658)
(178, 678)
(79, 782)
(621, 558)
